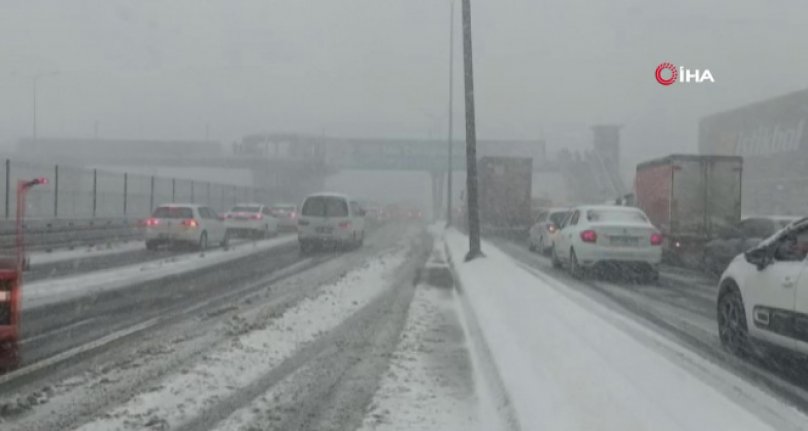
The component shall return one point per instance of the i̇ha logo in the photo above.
(667, 74)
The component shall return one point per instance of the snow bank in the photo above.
(41, 257)
(567, 367)
(49, 291)
(429, 384)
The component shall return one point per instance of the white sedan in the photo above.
(542, 234)
(251, 220)
(763, 295)
(593, 237)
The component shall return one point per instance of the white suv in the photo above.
(196, 225)
(763, 294)
(330, 218)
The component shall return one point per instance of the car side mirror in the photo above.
(760, 257)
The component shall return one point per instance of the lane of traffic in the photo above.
(684, 309)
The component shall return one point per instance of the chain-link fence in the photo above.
(76, 193)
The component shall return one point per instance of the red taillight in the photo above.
(256, 217)
(589, 236)
(656, 239)
(345, 225)
(151, 222)
(190, 223)
(551, 228)
(294, 214)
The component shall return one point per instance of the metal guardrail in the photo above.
(44, 234)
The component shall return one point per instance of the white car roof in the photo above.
(608, 207)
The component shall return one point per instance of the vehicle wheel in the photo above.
(540, 247)
(203, 241)
(226, 240)
(530, 246)
(575, 268)
(305, 248)
(554, 258)
(732, 327)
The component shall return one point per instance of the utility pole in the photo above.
(451, 106)
(471, 140)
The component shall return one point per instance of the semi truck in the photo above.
(691, 199)
(505, 193)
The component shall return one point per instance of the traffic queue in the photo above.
(686, 211)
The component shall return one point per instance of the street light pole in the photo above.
(33, 133)
(451, 110)
(471, 140)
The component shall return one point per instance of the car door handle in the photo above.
(788, 282)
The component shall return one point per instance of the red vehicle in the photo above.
(689, 198)
(11, 286)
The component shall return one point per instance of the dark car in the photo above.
(734, 240)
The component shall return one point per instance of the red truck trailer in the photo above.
(505, 193)
(690, 198)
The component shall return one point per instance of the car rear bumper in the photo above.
(310, 235)
(591, 256)
(186, 235)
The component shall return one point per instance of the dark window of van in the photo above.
(325, 206)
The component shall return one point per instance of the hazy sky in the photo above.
(163, 69)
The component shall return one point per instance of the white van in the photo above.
(330, 218)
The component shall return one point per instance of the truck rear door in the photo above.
(689, 200)
(723, 188)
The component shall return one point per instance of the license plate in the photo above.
(624, 240)
(326, 230)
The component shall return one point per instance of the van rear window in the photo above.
(325, 206)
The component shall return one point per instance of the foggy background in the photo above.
(370, 68)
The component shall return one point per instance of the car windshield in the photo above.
(615, 216)
(173, 212)
(246, 209)
(325, 206)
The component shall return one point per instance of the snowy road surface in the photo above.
(396, 335)
(572, 359)
(280, 341)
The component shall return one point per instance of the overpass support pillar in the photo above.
(438, 183)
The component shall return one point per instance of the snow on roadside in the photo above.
(42, 258)
(49, 291)
(254, 350)
(429, 385)
(567, 367)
